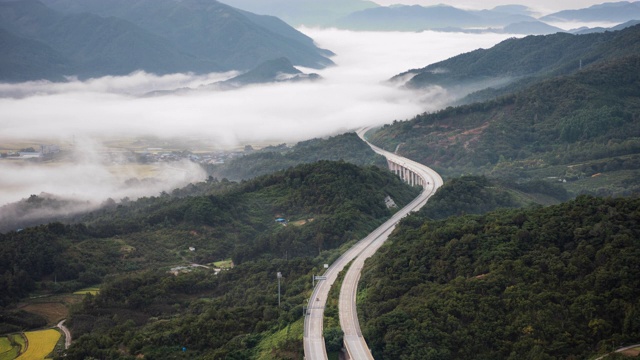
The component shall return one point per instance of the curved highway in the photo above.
(314, 347)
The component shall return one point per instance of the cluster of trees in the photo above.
(466, 195)
(543, 283)
(578, 118)
(46, 208)
(217, 317)
(347, 147)
(129, 248)
(527, 60)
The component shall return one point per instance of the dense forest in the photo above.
(45, 208)
(568, 128)
(347, 147)
(560, 282)
(130, 248)
(517, 63)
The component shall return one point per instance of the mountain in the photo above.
(164, 36)
(557, 282)
(303, 12)
(90, 45)
(26, 59)
(572, 129)
(608, 12)
(272, 71)
(531, 28)
(514, 9)
(208, 29)
(532, 57)
(418, 18)
(622, 26)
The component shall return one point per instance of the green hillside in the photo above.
(568, 128)
(347, 147)
(525, 60)
(561, 282)
(143, 309)
(45, 208)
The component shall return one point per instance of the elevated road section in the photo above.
(415, 174)
(314, 346)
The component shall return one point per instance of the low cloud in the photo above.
(352, 94)
(91, 177)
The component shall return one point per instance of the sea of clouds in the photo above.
(352, 94)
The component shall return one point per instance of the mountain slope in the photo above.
(140, 252)
(347, 147)
(557, 127)
(544, 283)
(304, 12)
(26, 59)
(530, 57)
(209, 29)
(94, 45)
(164, 36)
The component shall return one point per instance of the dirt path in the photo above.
(67, 333)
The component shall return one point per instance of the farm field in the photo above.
(93, 290)
(223, 264)
(40, 344)
(11, 346)
(53, 308)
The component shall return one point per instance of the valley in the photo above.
(185, 180)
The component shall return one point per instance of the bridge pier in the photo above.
(406, 174)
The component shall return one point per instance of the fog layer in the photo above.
(351, 94)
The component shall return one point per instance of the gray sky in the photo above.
(542, 6)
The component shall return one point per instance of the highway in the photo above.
(314, 347)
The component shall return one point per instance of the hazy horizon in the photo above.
(543, 6)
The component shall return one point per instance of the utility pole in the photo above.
(279, 277)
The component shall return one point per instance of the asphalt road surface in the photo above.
(314, 347)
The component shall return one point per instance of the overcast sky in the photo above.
(542, 6)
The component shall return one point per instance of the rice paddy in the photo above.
(40, 344)
(94, 290)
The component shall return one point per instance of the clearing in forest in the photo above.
(94, 290)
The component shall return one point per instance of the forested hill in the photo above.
(347, 147)
(560, 282)
(530, 57)
(569, 128)
(45, 208)
(143, 310)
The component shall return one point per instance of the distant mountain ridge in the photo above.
(304, 12)
(614, 11)
(418, 18)
(96, 38)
